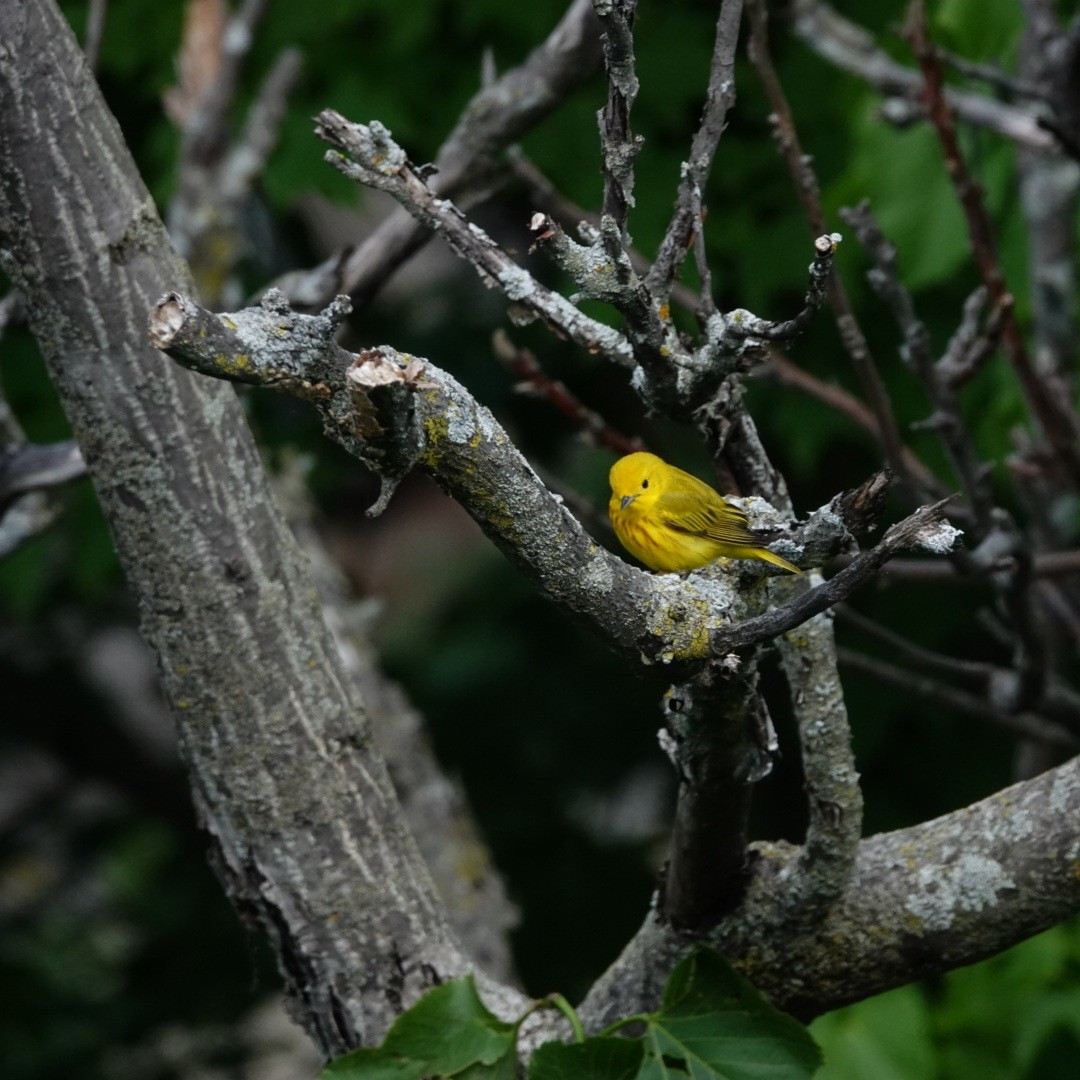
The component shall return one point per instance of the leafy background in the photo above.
(113, 929)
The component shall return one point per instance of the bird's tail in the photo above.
(771, 557)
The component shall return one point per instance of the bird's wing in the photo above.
(713, 518)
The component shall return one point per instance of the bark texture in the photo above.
(305, 828)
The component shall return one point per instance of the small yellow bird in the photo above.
(672, 521)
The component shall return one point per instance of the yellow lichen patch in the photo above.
(685, 633)
(227, 322)
(240, 364)
(664, 311)
(436, 430)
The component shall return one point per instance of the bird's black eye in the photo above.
(644, 483)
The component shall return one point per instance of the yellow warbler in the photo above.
(672, 521)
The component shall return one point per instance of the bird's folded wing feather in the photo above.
(687, 513)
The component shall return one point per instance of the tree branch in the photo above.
(498, 114)
(717, 724)
(720, 97)
(939, 895)
(395, 412)
(1050, 407)
(851, 48)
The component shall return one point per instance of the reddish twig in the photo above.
(523, 363)
(836, 397)
(802, 172)
(1049, 405)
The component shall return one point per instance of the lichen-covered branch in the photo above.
(924, 900)
(395, 411)
(378, 162)
(721, 744)
(830, 776)
(619, 146)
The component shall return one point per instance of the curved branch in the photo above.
(396, 411)
(938, 896)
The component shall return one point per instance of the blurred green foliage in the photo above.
(1013, 1017)
(535, 716)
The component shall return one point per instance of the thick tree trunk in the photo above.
(304, 823)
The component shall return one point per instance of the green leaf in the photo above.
(606, 1057)
(506, 1068)
(369, 1064)
(713, 1025)
(448, 1032)
(451, 1028)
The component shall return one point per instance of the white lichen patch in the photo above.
(597, 576)
(460, 423)
(762, 514)
(1013, 824)
(490, 430)
(939, 538)
(1063, 795)
(970, 883)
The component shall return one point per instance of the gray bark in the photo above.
(306, 831)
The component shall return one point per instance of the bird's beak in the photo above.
(625, 501)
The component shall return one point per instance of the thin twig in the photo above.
(743, 324)
(1028, 725)
(851, 48)
(1052, 564)
(592, 425)
(1050, 407)
(836, 397)
(800, 166)
(995, 77)
(719, 98)
(975, 672)
(95, 31)
(947, 421)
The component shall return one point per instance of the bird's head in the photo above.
(635, 478)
